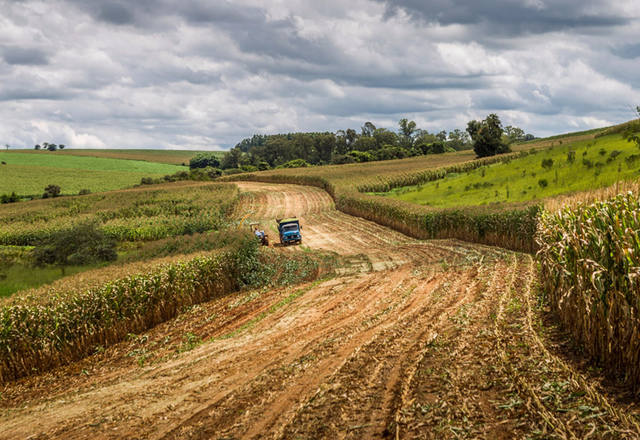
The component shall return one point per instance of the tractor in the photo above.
(260, 234)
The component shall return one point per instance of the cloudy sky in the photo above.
(205, 74)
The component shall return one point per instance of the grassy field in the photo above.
(21, 277)
(171, 157)
(29, 174)
(596, 163)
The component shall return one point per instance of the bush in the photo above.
(340, 159)
(80, 245)
(51, 191)
(361, 156)
(571, 156)
(543, 183)
(204, 160)
(249, 168)
(9, 198)
(296, 163)
(84, 192)
(547, 163)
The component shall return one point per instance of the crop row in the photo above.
(511, 226)
(387, 183)
(590, 260)
(133, 215)
(40, 333)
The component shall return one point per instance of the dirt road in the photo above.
(438, 339)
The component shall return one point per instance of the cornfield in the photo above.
(590, 261)
(128, 215)
(39, 332)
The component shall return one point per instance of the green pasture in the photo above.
(28, 174)
(596, 163)
(173, 157)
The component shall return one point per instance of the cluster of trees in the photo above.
(49, 147)
(345, 146)
(262, 152)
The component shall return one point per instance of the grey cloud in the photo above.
(33, 93)
(24, 56)
(628, 51)
(509, 16)
(115, 13)
(197, 73)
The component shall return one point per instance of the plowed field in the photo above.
(412, 339)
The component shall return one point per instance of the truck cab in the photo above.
(289, 229)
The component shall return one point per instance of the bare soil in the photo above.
(412, 339)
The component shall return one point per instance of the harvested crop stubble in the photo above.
(590, 260)
(510, 226)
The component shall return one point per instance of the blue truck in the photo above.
(289, 229)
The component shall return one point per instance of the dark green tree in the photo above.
(514, 133)
(367, 129)
(487, 136)
(83, 244)
(204, 160)
(407, 132)
(51, 191)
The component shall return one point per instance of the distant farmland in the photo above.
(28, 174)
(172, 157)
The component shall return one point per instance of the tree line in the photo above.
(48, 146)
(370, 143)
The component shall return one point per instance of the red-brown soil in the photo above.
(413, 339)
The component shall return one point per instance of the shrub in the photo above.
(543, 183)
(204, 160)
(571, 156)
(9, 198)
(83, 244)
(296, 163)
(84, 192)
(547, 163)
(51, 191)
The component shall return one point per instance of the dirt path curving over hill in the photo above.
(438, 339)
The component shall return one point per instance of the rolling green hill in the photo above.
(172, 157)
(570, 167)
(28, 174)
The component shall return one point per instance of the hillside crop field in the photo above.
(28, 174)
(407, 338)
(171, 157)
(573, 167)
(140, 214)
(361, 332)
